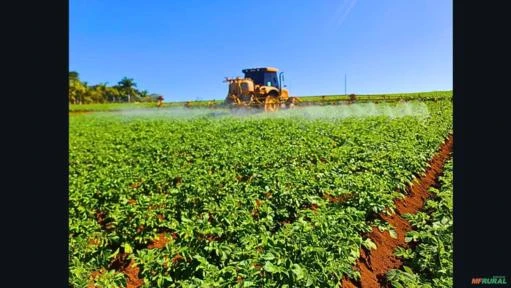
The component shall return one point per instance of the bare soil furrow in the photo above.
(374, 264)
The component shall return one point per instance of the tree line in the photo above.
(80, 92)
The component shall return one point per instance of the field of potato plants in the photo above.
(176, 198)
(429, 264)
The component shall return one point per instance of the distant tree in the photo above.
(93, 95)
(154, 96)
(144, 93)
(114, 93)
(125, 90)
(144, 96)
(102, 88)
(73, 75)
(77, 89)
(85, 97)
(98, 93)
(127, 87)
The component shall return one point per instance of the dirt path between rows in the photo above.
(374, 264)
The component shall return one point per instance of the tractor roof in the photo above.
(262, 69)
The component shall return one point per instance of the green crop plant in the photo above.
(242, 201)
(430, 263)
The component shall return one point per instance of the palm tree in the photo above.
(126, 84)
(73, 75)
(76, 88)
(100, 92)
(86, 85)
(112, 93)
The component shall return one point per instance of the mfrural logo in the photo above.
(495, 280)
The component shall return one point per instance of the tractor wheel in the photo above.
(271, 103)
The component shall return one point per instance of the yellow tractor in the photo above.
(259, 88)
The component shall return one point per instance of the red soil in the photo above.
(160, 242)
(136, 185)
(129, 268)
(314, 207)
(93, 276)
(103, 221)
(131, 271)
(337, 199)
(120, 264)
(374, 264)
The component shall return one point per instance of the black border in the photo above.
(36, 65)
(481, 146)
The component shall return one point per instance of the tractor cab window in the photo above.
(257, 77)
(263, 78)
(270, 79)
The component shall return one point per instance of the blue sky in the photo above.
(183, 49)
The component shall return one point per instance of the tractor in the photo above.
(259, 88)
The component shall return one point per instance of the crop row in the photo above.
(242, 202)
(317, 100)
(429, 259)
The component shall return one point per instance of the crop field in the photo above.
(179, 197)
(305, 100)
(430, 263)
(424, 96)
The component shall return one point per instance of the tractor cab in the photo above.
(266, 76)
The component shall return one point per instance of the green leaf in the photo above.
(298, 271)
(268, 256)
(393, 233)
(369, 244)
(115, 253)
(309, 282)
(272, 268)
(127, 248)
(408, 269)
(355, 253)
